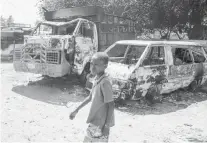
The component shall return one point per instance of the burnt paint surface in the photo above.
(199, 73)
(83, 50)
(140, 81)
(148, 78)
(161, 79)
(158, 79)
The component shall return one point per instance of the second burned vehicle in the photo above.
(151, 68)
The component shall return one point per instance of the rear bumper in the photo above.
(52, 70)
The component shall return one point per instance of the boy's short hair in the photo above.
(102, 56)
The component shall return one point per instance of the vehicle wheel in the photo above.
(149, 99)
(193, 86)
(153, 96)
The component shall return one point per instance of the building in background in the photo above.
(11, 35)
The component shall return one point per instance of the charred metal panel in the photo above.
(179, 76)
(148, 77)
(69, 13)
(83, 50)
(119, 71)
(180, 71)
(205, 73)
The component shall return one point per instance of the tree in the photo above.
(197, 13)
(10, 20)
(165, 16)
(110, 6)
(6, 21)
(3, 21)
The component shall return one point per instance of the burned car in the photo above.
(151, 68)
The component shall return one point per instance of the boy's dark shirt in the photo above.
(101, 94)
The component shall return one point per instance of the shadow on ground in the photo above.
(60, 91)
(57, 91)
(195, 140)
(172, 102)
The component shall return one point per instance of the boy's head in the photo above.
(99, 63)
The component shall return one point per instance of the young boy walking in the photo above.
(101, 115)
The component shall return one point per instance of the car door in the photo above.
(205, 65)
(86, 44)
(117, 54)
(199, 64)
(180, 73)
(152, 71)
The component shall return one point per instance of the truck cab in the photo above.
(64, 43)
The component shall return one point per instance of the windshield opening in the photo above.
(49, 29)
(198, 54)
(126, 54)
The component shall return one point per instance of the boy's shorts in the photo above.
(91, 133)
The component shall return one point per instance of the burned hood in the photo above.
(119, 71)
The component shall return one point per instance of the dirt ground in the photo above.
(36, 109)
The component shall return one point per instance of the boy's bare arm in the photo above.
(110, 110)
(85, 102)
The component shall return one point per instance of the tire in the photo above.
(193, 86)
(153, 96)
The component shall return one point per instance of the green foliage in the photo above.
(165, 16)
(3, 21)
(10, 19)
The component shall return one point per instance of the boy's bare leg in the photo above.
(88, 137)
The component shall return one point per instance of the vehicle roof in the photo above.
(61, 23)
(148, 42)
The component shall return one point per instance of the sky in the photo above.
(23, 11)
